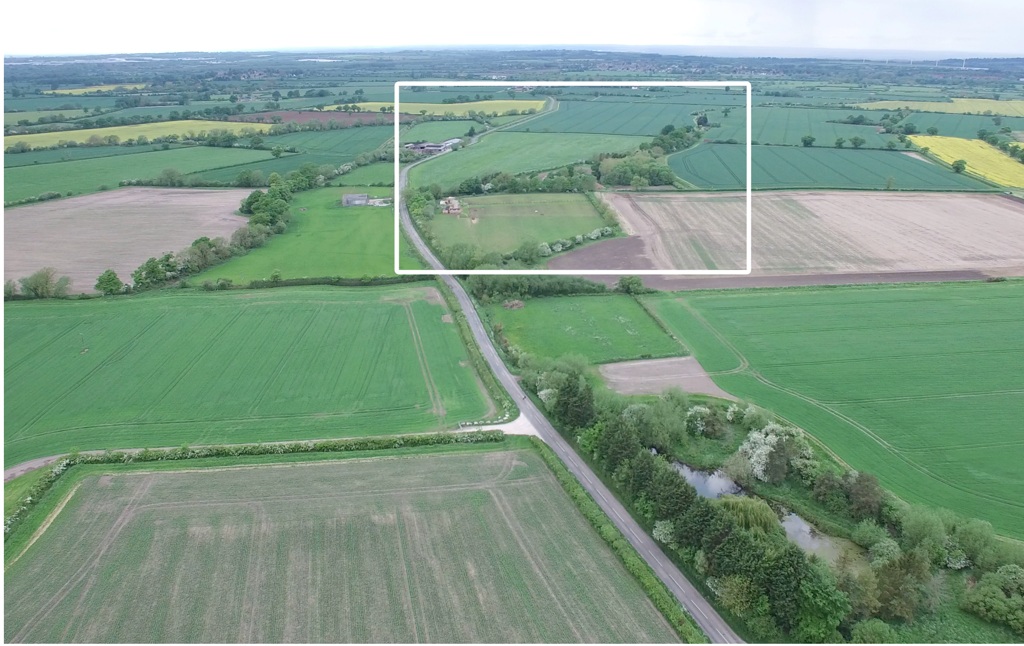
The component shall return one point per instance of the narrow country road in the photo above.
(706, 617)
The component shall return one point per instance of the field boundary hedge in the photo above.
(682, 623)
(36, 493)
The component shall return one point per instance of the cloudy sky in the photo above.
(129, 26)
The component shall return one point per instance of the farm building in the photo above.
(450, 206)
(355, 199)
(429, 148)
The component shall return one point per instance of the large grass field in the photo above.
(517, 152)
(323, 239)
(787, 126)
(918, 384)
(965, 126)
(502, 222)
(12, 118)
(56, 156)
(379, 173)
(151, 130)
(458, 109)
(602, 329)
(437, 131)
(983, 160)
(722, 166)
(88, 175)
(615, 117)
(479, 546)
(185, 366)
(332, 147)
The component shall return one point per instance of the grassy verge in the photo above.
(497, 393)
(659, 595)
(15, 490)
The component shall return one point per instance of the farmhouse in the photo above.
(429, 148)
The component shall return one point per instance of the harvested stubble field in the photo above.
(89, 175)
(919, 384)
(814, 232)
(323, 239)
(502, 222)
(480, 547)
(184, 366)
(723, 167)
(517, 152)
(151, 130)
(96, 88)
(81, 237)
(602, 328)
(982, 159)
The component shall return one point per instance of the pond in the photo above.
(715, 484)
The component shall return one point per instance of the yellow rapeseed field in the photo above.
(151, 130)
(982, 159)
(459, 109)
(97, 88)
(1013, 108)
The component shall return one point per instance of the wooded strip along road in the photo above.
(716, 628)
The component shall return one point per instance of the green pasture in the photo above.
(438, 131)
(965, 126)
(16, 489)
(614, 118)
(603, 328)
(723, 166)
(88, 175)
(323, 239)
(338, 551)
(185, 366)
(332, 147)
(12, 118)
(918, 384)
(380, 173)
(787, 126)
(502, 222)
(517, 152)
(55, 102)
(36, 157)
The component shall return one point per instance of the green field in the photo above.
(58, 102)
(15, 490)
(87, 175)
(12, 118)
(961, 125)
(502, 222)
(517, 152)
(323, 239)
(37, 157)
(184, 366)
(332, 147)
(602, 329)
(381, 174)
(722, 166)
(438, 131)
(786, 126)
(615, 117)
(462, 547)
(918, 384)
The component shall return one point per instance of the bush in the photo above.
(45, 284)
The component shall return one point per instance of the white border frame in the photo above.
(569, 272)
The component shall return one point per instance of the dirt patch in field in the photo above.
(309, 116)
(812, 233)
(918, 156)
(447, 318)
(84, 236)
(655, 376)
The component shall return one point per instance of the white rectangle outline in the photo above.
(569, 272)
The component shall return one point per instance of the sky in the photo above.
(975, 27)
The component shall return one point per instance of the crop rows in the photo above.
(613, 118)
(917, 384)
(982, 159)
(719, 166)
(475, 547)
(166, 369)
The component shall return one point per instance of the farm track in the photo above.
(716, 628)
